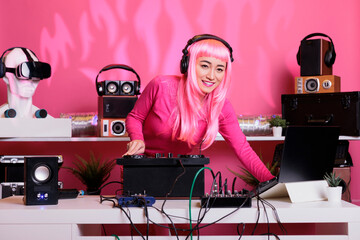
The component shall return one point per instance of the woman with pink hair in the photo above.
(183, 114)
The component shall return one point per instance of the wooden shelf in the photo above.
(126, 139)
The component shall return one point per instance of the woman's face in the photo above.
(210, 72)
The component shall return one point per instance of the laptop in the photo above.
(308, 153)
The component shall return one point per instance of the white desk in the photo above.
(81, 218)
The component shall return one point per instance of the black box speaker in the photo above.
(12, 167)
(165, 176)
(115, 106)
(41, 181)
(326, 109)
(345, 174)
(312, 58)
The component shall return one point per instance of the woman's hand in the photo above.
(135, 147)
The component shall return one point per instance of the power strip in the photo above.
(226, 201)
(135, 201)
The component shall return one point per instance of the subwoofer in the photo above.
(115, 106)
(41, 181)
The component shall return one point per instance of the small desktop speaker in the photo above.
(317, 84)
(115, 106)
(112, 127)
(41, 181)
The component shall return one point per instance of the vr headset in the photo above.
(31, 70)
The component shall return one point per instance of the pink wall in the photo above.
(80, 37)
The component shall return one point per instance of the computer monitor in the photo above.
(309, 152)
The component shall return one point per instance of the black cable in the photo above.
(277, 218)
(197, 227)
(233, 185)
(242, 232)
(173, 185)
(171, 221)
(132, 224)
(264, 202)
(103, 228)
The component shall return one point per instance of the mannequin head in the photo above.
(18, 88)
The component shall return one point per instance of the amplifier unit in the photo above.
(317, 84)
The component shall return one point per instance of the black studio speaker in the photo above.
(316, 56)
(115, 106)
(41, 181)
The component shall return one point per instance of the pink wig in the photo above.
(189, 96)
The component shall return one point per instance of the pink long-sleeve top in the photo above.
(151, 121)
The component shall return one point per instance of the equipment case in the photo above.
(328, 109)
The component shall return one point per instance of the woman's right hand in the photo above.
(135, 147)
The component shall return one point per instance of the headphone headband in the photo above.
(184, 63)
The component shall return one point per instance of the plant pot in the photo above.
(277, 131)
(334, 194)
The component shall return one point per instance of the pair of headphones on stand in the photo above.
(330, 54)
(184, 62)
(101, 86)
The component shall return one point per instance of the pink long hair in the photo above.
(189, 95)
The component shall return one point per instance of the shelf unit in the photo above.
(126, 139)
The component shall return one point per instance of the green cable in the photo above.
(117, 237)
(191, 191)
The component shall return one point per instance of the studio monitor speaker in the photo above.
(41, 180)
(115, 106)
(312, 58)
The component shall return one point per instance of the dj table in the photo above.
(81, 218)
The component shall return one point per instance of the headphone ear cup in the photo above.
(184, 63)
(329, 58)
(298, 56)
(2, 69)
(100, 88)
(137, 88)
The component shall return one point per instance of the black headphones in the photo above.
(184, 63)
(330, 54)
(2, 64)
(100, 86)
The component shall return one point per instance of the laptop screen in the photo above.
(308, 153)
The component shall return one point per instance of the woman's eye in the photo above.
(204, 66)
(220, 69)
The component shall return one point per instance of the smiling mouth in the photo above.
(208, 84)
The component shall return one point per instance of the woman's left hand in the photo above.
(135, 147)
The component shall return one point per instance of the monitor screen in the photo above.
(308, 153)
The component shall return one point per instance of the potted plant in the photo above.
(277, 124)
(93, 173)
(249, 179)
(334, 190)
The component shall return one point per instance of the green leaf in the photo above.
(92, 172)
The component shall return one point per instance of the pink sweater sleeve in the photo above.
(135, 119)
(230, 130)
